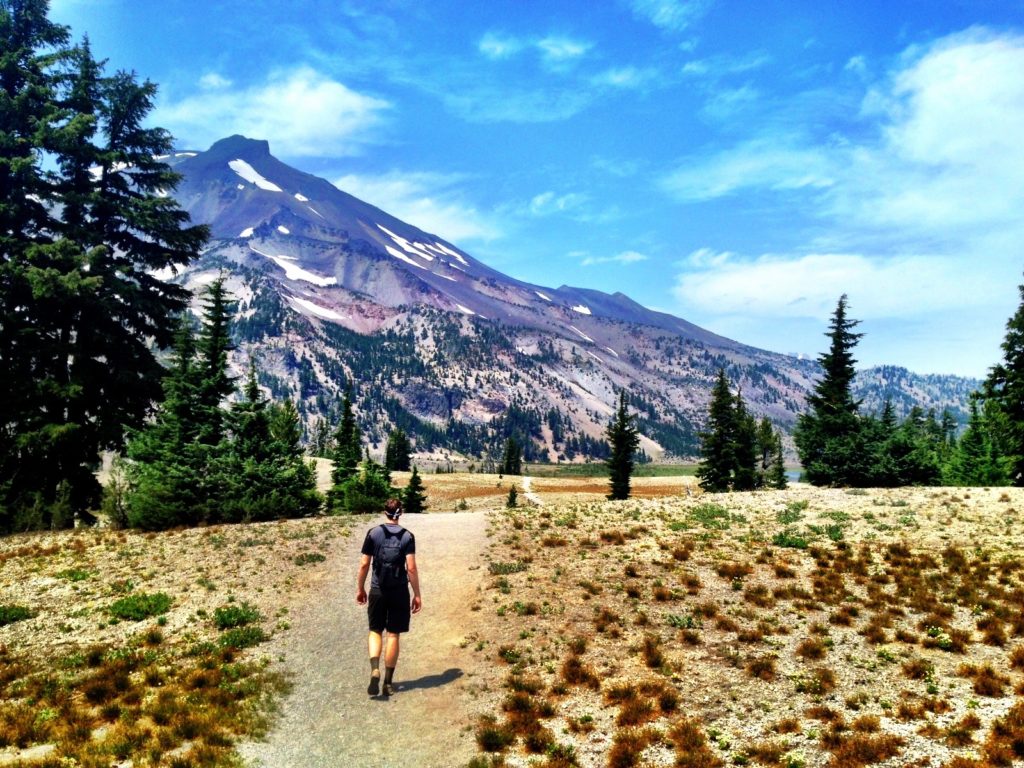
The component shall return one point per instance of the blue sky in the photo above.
(739, 165)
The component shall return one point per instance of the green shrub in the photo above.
(12, 613)
(789, 539)
(500, 569)
(309, 557)
(74, 574)
(140, 606)
(242, 637)
(230, 616)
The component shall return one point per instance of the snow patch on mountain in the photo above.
(399, 255)
(240, 186)
(595, 357)
(314, 210)
(612, 351)
(583, 309)
(283, 229)
(301, 197)
(581, 333)
(247, 232)
(452, 253)
(316, 309)
(467, 310)
(409, 247)
(546, 298)
(253, 176)
(295, 272)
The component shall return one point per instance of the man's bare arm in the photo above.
(414, 580)
(364, 568)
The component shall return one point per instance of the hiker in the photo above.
(392, 550)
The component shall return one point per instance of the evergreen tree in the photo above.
(213, 345)
(512, 458)
(623, 440)
(829, 438)
(364, 492)
(321, 444)
(264, 473)
(348, 448)
(80, 241)
(765, 449)
(167, 478)
(396, 454)
(511, 501)
(776, 475)
(973, 461)
(1004, 390)
(414, 497)
(745, 469)
(718, 445)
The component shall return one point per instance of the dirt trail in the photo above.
(529, 493)
(328, 719)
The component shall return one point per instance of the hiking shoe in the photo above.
(389, 689)
(374, 687)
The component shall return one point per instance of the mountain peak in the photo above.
(239, 146)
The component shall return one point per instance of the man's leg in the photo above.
(391, 649)
(373, 643)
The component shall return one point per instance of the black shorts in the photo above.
(389, 610)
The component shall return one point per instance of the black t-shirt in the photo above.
(374, 539)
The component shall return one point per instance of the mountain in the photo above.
(335, 293)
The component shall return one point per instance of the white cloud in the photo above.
(775, 286)
(671, 15)
(497, 46)
(300, 111)
(430, 201)
(548, 203)
(625, 77)
(212, 81)
(626, 257)
(557, 50)
(770, 162)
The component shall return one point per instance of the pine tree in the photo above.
(263, 473)
(512, 458)
(776, 476)
(1004, 389)
(744, 474)
(511, 501)
(765, 450)
(718, 446)
(623, 440)
(829, 438)
(973, 461)
(347, 453)
(213, 345)
(78, 301)
(396, 454)
(414, 497)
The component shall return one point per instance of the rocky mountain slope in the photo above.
(334, 293)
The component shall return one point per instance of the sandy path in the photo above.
(529, 493)
(328, 720)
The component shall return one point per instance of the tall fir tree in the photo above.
(776, 475)
(80, 240)
(396, 453)
(830, 438)
(718, 445)
(414, 497)
(1004, 390)
(745, 475)
(264, 473)
(348, 450)
(512, 458)
(974, 461)
(623, 440)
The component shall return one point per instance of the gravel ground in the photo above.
(328, 719)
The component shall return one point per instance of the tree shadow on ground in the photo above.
(430, 681)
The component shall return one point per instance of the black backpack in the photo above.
(389, 562)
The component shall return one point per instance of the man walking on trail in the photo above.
(392, 551)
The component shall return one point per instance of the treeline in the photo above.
(839, 446)
(738, 453)
(86, 219)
